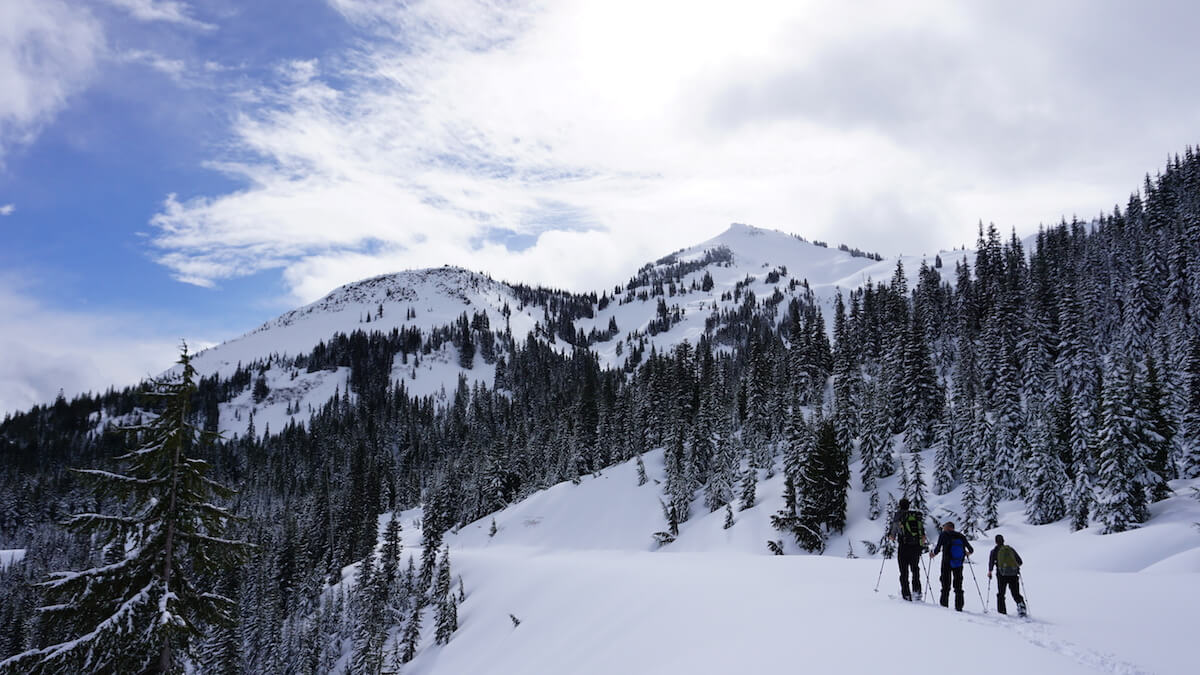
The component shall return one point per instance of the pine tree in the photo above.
(1045, 473)
(222, 650)
(443, 598)
(145, 611)
(369, 595)
(1187, 441)
(916, 484)
(723, 472)
(1158, 434)
(678, 482)
(749, 487)
(945, 463)
(1120, 486)
(412, 634)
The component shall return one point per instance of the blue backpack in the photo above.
(956, 552)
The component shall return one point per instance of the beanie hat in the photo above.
(904, 502)
(999, 539)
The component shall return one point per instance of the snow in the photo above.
(303, 392)
(577, 566)
(12, 556)
(438, 296)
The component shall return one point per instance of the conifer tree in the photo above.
(1120, 479)
(723, 472)
(1046, 475)
(369, 595)
(749, 487)
(916, 484)
(443, 599)
(1158, 434)
(1187, 441)
(145, 611)
(412, 634)
(944, 460)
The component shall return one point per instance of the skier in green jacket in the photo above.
(1007, 563)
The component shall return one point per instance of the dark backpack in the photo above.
(956, 551)
(1006, 562)
(912, 527)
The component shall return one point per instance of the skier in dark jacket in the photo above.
(957, 549)
(1008, 571)
(909, 528)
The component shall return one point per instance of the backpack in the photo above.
(912, 527)
(956, 552)
(1006, 562)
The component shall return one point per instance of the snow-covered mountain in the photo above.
(740, 260)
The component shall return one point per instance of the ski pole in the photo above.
(1024, 592)
(881, 565)
(928, 579)
(989, 596)
(976, 580)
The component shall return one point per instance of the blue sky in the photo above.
(191, 168)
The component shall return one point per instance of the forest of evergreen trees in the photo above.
(1067, 376)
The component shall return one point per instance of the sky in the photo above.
(188, 169)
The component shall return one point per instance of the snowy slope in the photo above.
(436, 297)
(576, 565)
(440, 295)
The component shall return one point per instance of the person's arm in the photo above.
(937, 547)
(970, 549)
(992, 560)
(1018, 557)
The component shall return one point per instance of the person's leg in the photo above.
(1001, 582)
(1015, 584)
(902, 559)
(958, 589)
(916, 573)
(945, 599)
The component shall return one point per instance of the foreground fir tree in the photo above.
(143, 611)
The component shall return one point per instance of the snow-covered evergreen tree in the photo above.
(144, 611)
(1120, 493)
(749, 487)
(444, 601)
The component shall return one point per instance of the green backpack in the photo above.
(912, 527)
(1006, 562)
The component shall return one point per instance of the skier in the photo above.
(1008, 571)
(909, 527)
(957, 549)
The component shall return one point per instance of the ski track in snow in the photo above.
(1038, 633)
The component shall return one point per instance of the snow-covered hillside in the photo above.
(425, 298)
(752, 260)
(577, 567)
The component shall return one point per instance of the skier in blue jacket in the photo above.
(957, 549)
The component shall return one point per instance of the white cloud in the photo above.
(48, 52)
(166, 11)
(172, 68)
(7, 210)
(613, 132)
(44, 350)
